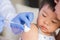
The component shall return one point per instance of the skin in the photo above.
(57, 8)
(47, 20)
(32, 34)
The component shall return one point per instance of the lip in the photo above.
(43, 27)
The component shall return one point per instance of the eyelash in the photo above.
(53, 22)
(43, 15)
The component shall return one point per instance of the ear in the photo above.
(56, 1)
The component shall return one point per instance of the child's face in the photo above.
(47, 20)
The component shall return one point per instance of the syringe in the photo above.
(26, 29)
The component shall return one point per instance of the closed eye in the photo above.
(43, 15)
(54, 21)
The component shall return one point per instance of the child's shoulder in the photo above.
(32, 34)
(33, 26)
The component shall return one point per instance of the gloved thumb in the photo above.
(30, 16)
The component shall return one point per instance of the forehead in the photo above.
(48, 11)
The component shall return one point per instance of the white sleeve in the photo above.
(7, 9)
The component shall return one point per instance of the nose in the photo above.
(46, 23)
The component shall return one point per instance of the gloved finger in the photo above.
(16, 20)
(17, 28)
(24, 19)
(30, 16)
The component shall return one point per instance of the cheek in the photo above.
(39, 21)
(57, 10)
(57, 7)
(52, 28)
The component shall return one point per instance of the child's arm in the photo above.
(32, 34)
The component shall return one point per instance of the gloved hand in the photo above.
(1, 23)
(19, 21)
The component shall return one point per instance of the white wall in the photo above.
(20, 7)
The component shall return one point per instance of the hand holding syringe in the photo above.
(8, 11)
(21, 22)
(25, 29)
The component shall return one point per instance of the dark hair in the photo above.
(50, 2)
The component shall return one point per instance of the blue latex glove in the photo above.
(1, 23)
(19, 21)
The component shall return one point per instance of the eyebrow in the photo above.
(45, 12)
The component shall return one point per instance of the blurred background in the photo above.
(26, 6)
(20, 6)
